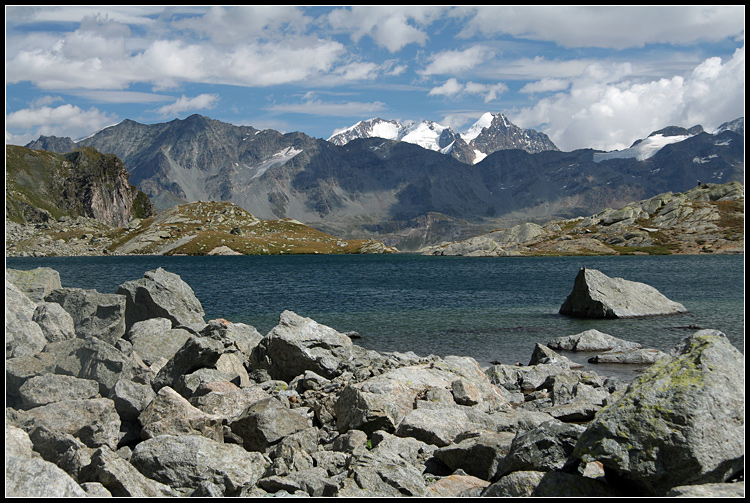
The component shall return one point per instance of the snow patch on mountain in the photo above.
(246, 173)
(425, 134)
(643, 150)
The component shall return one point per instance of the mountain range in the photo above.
(407, 194)
(492, 132)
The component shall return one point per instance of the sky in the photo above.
(588, 76)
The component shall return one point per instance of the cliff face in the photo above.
(41, 185)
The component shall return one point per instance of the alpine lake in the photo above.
(491, 309)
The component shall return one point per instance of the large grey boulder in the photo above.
(591, 340)
(50, 388)
(393, 468)
(544, 448)
(515, 485)
(130, 398)
(21, 369)
(171, 414)
(37, 478)
(643, 356)
(56, 323)
(62, 449)
(93, 421)
(121, 478)
(95, 359)
(477, 453)
(100, 315)
(23, 336)
(196, 465)
(245, 337)
(314, 481)
(298, 344)
(545, 355)
(161, 294)
(156, 341)
(457, 485)
(524, 378)
(383, 401)
(35, 283)
(196, 353)
(265, 423)
(681, 422)
(596, 295)
(442, 426)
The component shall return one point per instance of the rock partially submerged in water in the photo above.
(591, 340)
(596, 295)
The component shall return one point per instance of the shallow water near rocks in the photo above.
(491, 309)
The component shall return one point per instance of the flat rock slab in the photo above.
(596, 295)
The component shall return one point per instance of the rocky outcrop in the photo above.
(596, 295)
(705, 219)
(200, 228)
(81, 182)
(680, 423)
(303, 411)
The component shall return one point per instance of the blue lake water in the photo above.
(485, 308)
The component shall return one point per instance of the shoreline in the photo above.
(304, 411)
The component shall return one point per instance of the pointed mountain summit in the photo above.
(737, 125)
(493, 132)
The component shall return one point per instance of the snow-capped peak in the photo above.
(484, 121)
(380, 128)
(426, 134)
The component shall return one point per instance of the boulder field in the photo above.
(136, 394)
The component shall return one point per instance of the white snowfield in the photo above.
(645, 149)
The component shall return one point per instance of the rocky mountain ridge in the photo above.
(706, 219)
(373, 188)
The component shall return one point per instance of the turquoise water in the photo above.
(486, 308)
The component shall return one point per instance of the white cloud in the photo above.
(185, 104)
(604, 112)
(102, 96)
(237, 24)
(65, 120)
(393, 27)
(448, 62)
(318, 107)
(535, 68)
(168, 63)
(615, 27)
(545, 85)
(489, 91)
(132, 15)
(452, 87)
